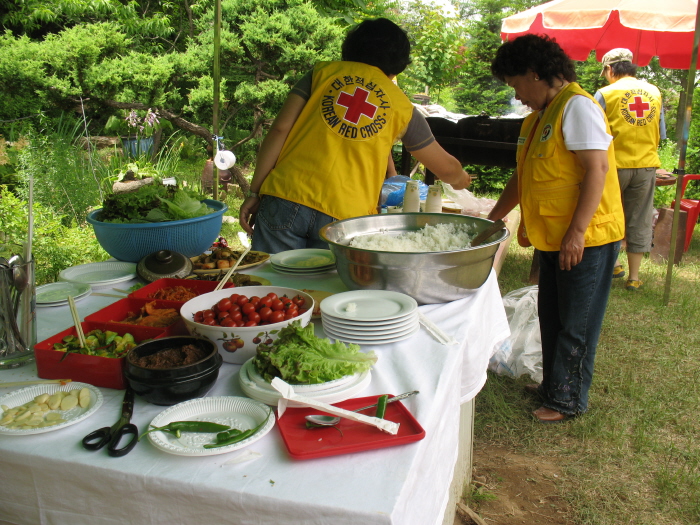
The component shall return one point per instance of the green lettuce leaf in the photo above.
(185, 207)
(299, 357)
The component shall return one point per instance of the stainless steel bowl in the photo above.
(428, 277)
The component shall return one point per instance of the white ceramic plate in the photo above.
(72, 416)
(344, 324)
(270, 396)
(56, 294)
(259, 380)
(100, 273)
(369, 305)
(383, 333)
(320, 269)
(237, 412)
(360, 341)
(304, 259)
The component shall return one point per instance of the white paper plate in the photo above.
(56, 294)
(344, 324)
(100, 273)
(374, 333)
(369, 305)
(304, 259)
(363, 341)
(270, 396)
(259, 380)
(237, 412)
(72, 416)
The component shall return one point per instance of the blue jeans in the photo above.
(571, 307)
(282, 225)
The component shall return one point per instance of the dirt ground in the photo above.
(525, 490)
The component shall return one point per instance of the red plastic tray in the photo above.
(198, 287)
(117, 312)
(304, 443)
(107, 372)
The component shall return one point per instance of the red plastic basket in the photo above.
(106, 372)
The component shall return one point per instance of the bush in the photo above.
(55, 247)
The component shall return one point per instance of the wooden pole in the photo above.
(690, 88)
(217, 82)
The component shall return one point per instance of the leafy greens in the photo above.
(153, 203)
(299, 357)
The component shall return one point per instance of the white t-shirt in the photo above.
(583, 125)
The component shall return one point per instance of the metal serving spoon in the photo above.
(329, 421)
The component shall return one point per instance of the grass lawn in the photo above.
(634, 457)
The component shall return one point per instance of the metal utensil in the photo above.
(488, 232)
(329, 421)
(111, 436)
(20, 278)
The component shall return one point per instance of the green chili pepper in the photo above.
(229, 438)
(381, 406)
(177, 427)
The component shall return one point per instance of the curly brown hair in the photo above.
(538, 53)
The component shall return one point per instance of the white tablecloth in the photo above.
(49, 478)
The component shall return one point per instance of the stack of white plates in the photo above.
(100, 274)
(369, 317)
(255, 387)
(308, 261)
(56, 294)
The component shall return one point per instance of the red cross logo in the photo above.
(357, 105)
(639, 106)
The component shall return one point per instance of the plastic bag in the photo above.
(470, 204)
(521, 353)
(394, 188)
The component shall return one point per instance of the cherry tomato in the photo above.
(240, 323)
(276, 316)
(234, 297)
(210, 321)
(251, 323)
(293, 310)
(248, 308)
(290, 314)
(265, 313)
(287, 302)
(221, 315)
(298, 300)
(265, 301)
(224, 305)
(277, 305)
(255, 317)
(242, 299)
(227, 322)
(208, 313)
(272, 295)
(236, 316)
(235, 308)
(198, 317)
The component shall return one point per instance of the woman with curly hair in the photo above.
(567, 187)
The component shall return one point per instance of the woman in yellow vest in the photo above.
(566, 185)
(325, 157)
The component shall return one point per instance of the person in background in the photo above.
(569, 196)
(325, 157)
(636, 117)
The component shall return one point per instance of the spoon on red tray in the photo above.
(329, 421)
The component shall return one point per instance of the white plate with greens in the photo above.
(56, 294)
(70, 417)
(303, 259)
(236, 412)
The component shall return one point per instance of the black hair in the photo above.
(378, 42)
(538, 53)
(623, 69)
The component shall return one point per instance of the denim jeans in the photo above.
(282, 225)
(571, 307)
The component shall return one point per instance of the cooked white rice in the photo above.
(438, 238)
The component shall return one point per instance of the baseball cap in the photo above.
(619, 54)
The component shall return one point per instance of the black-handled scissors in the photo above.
(111, 436)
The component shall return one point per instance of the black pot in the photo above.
(164, 264)
(169, 386)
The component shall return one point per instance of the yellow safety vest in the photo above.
(549, 178)
(335, 157)
(633, 108)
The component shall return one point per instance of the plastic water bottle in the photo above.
(411, 197)
(433, 204)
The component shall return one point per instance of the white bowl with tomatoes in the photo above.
(239, 319)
